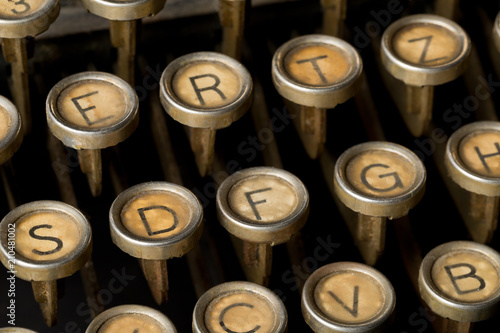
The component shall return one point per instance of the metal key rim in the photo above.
(132, 309)
(416, 75)
(220, 290)
(320, 323)
(214, 118)
(160, 248)
(327, 96)
(446, 306)
(277, 232)
(33, 24)
(13, 139)
(124, 10)
(32, 270)
(79, 138)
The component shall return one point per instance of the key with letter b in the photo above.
(460, 281)
(347, 297)
(44, 241)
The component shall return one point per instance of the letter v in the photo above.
(354, 310)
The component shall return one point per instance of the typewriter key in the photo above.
(461, 281)
(316, 73)
(205, 91)
(133, 318)
(378, 180)
(18, 20)
(472, 160)
(90, 111)
(15, 330)
(239, 307)
(53, 240)
(496, 32)
(124, 18)
(347, 297)
(261, 207)
(10, 130)
(154, 222)
(423, 51)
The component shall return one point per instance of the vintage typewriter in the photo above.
(279, 121)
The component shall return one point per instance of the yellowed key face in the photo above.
(206, 85)
(5, 123)
(131, 323)
(46, 235)
(317, 65)
(349, 297)
(156, 215)
(262, 199)
(92, 104)
(12, 10)
(427, 45)
(240, 312)
(480, 152)
(466, 276)
(380, 173)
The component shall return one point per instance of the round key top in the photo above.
(124, 10)
(473, 157)
(206, 90)
(19, 19)
(53, 240)
(239, 307)
(156, 221)
(316, 70)
(263, 205)
(15, 330)
(379, 179)
(425, 50)
(92, 110)
(461, 280)
(347, 297)
(133, 318)
(10, 130)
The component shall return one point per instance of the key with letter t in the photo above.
(131, 319)
(315, 73)
(376, 181)
(154, 222)
(423, 51)
(239, 307)
(91, 111)
(472, 160)
(18, 20)
(205, 91)
(460, 281)
(261, 207)
(53, 240)
(348, 297)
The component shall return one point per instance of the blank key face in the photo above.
(206, 85)
(263, 199)
(317, 65)
(92, 104)
(21, 8)
(466, 276)
(426, 45)
(480, 152)
(5, 123)
(240, 312)
(156, 215)
(380, 173)
(131, 323)
(46, 235)
(349, 297)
